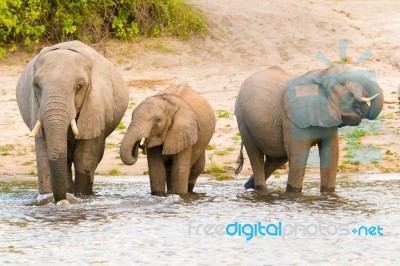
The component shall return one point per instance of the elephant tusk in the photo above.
(142, 141)
(36, 129)
(370, 98)
(74, 127)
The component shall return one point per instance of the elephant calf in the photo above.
(173, 127)
(280, 117)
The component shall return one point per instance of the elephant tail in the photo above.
(239, 161)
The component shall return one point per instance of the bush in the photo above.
(30, 21)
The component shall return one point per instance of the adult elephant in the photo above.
(173, 127)
(66, 87)
(281, 117)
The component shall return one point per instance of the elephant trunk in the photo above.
(130, 145)
(56, 121)
(374, 93)
(372, 89)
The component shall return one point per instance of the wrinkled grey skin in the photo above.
(66, 81)
(279, 127)
(177, 124)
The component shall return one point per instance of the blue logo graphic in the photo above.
(297, 229)
(368, 231)
(343, 54)
(324, 100)
(251, 230)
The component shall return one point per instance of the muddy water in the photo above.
(124, 224)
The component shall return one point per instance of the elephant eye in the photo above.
(80, 85)
(157, 119)
(36, 85)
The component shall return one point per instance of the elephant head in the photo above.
(332, 97)
(160, 120)
(67, 87)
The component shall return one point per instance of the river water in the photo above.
(124, 224)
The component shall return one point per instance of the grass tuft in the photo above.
(114, 172)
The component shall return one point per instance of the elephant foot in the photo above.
(289, 188)
(261, 187)
(158, 193)
(190, 188)
(250, 183)
(327, 189)
(47, 198)
(83, 185)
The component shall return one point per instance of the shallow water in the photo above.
(124, 224)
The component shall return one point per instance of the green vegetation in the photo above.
(114, 171)
(160, 47)
(276, 174)
(388, 152)
(224, 152)
(210, 147)
(236, 137)
(388, 116)
(112, 146)
(356, 133)
(214, 168)
(218, 171)
(28, 22)
(32, 173)
(121, 128)
(5, 149)
(223, 176)
(27, 163)
(146, 172)
(222, 113)
(131, 105)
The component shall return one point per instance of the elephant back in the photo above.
(197, 103)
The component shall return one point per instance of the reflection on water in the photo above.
(124, 224)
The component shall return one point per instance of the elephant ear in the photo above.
(184, 128)
(26, 97)
(102, 105)
(307, 103)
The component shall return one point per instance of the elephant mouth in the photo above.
(142, 145)
(361, 109)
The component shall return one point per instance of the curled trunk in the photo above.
(130, 146)
(376, 105)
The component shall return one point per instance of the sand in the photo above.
(242, 40)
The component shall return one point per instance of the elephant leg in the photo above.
(298, 151)
(44, 183)
(70, 182)
(270, 165)
(196, 170)
(70, 147)
(256, 158)
(86, 156)
(329, 157)
(180, 171)
(169, 178)
(157, 171)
